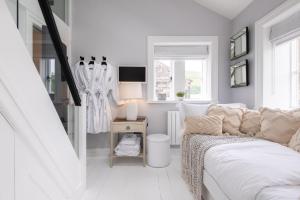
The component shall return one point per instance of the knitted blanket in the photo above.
(194, 147)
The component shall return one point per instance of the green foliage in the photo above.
(180, 94)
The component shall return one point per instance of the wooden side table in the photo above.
(121, 125)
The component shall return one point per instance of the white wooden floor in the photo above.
(132, 181)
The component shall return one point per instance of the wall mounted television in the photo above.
(132, 74)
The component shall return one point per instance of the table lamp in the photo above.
(131, 92)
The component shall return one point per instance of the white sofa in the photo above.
(250, 170)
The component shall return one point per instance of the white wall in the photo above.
(119, 30)
(256, 10)
(7, 155)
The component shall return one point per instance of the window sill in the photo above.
(177, 101)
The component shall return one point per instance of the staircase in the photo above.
(38, 159)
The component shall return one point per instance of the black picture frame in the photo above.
(239, 74)
(239, 44)
(58, 45)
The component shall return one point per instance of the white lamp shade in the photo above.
(131, 90)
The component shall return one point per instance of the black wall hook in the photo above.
(104, 61)
(92, 60)
(81, 60)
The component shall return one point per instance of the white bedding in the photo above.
(255, 170)
(280, 192)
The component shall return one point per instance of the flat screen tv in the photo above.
(132, 74)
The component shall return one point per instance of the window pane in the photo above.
(295, 65)
(286, 85)
(163, 88)
(281, 77)
(60, 8)
(196, 79)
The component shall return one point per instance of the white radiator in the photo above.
(174, 127)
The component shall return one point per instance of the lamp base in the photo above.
(132, 111)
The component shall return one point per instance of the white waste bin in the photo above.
(158, 149)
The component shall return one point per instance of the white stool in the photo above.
(158, 148)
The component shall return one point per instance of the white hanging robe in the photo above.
(108, 86)
(86, 77)
(93, 77)
(112, 81)
(98, 82)
(79, 76)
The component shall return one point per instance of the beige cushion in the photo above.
(295, 141)
(211, 125)
(250, 122)
(232, 118)
(279, 125)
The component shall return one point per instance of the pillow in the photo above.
(295, 141)
(279, 125)
(189, 110)
(233, 105)
(250, 122)
(211, 125)
(232, 118)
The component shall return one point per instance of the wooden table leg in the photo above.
(144, 146)
(111, 148)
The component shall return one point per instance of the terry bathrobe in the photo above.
(98, 82)
(108, 86)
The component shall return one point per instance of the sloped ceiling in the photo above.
(227, 8)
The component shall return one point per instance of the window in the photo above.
(61, 9)
(277, 38)
(183, 66)
(164, 84)
(49, 76)
(286, 74)
(188, 76)
(196, 77)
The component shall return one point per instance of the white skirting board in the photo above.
(174, 129)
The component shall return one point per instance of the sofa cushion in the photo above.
(233, 105)
(279, 125)
(232, 118)
(210, 125)
(251, 122)
(295, 141)
(195, 109)
(188, 110)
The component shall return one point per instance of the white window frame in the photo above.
(211, 41)
(264, 49)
